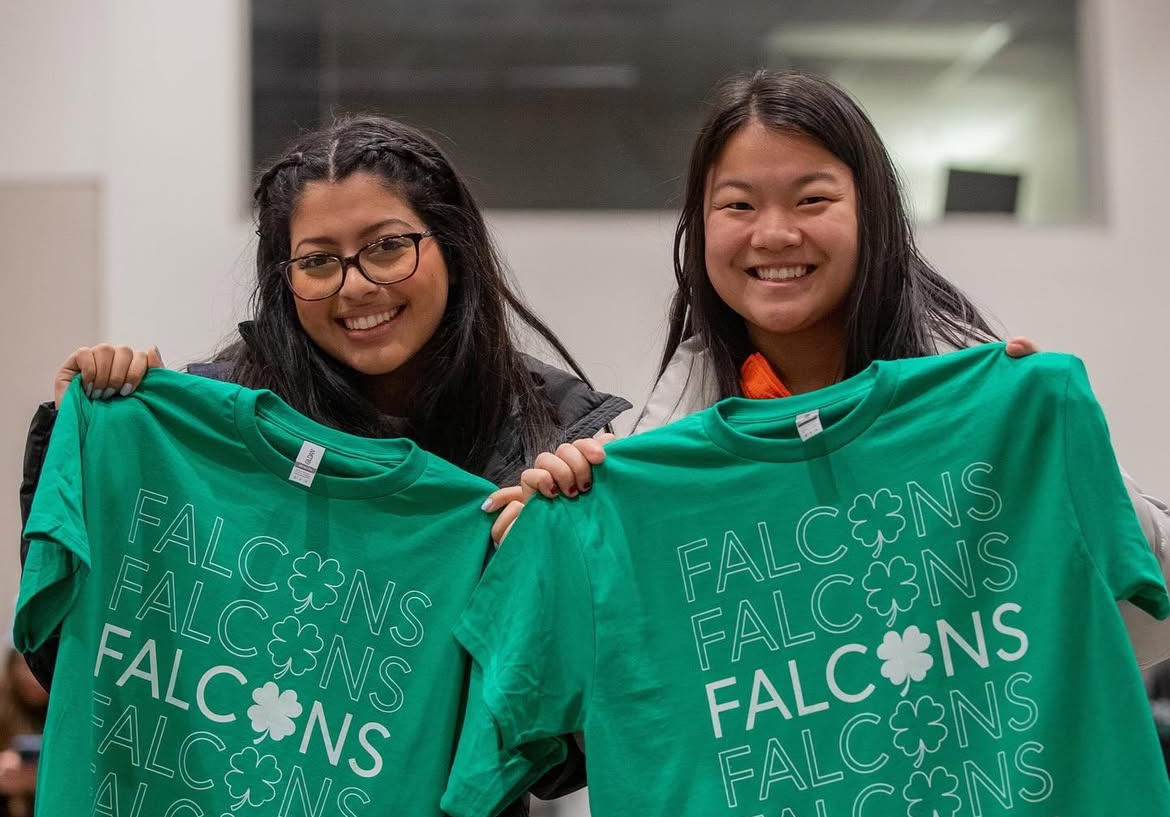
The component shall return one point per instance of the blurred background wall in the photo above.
(125, 168)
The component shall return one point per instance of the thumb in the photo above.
(153, 358)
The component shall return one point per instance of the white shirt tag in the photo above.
(305, 468)
(808, 425)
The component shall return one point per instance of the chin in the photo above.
(375, 368)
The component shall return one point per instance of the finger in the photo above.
(153, 358)
(139, 363)
(604, 437)
(103, 355)
(538, 481)
(87, 367)
(69, 369)
(120, 362)
(571, 455)
(505, 520)
(501, 497)
(592, 448)
(561, 472)
(1021, 347)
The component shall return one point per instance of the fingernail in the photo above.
(571, 491)
(554, 491)
(107, 393)
(126, 389)
(586, 486)
(89, 390)
(487, 505)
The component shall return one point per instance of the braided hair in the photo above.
(473, 385)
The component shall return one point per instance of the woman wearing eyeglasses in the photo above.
(380, 309)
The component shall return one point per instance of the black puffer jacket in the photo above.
(580, 412)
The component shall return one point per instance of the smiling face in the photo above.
(780, 219)
(373, 329)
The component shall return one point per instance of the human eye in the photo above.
(814, 200)
(316, 264)
(741, 206)
(389, 245)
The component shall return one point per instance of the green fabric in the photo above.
(910, 613)
(234, 642)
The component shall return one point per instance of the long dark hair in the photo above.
(899, 305)
(473, 381)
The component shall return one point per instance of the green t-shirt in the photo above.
(910, 612)
(240, 634)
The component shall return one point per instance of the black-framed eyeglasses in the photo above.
(384, 261)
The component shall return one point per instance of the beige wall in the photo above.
(49, 233)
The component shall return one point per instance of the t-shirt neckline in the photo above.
(871, 390)
(401, 461)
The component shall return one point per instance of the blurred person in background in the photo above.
(23, 703)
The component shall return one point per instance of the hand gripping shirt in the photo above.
(895, 596)
(256, 610)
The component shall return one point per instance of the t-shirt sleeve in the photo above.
(485, 777)
(1109, 525)
(529, 629)
(58, 554)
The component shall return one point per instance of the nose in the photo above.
(776, 228)
(356, 286)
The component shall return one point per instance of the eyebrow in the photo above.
(373, 228)
(799, 181)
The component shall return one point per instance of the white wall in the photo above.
(176, 176)
(52, 89)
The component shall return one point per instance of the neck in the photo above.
(388, 392)
(807, 360)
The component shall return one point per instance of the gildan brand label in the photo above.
(308, 461)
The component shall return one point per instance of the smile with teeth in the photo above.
(786, 273)
(370, 321)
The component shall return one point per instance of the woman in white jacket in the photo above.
(796, 267)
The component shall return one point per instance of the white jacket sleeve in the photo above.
(1150, 637)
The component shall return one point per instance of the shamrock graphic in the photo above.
(918, 727)
(891, 588)
(905, 657)
(294, 647)
(932, 795)
(877, 519)
(314, 582)
(273, 712)
(253, 777)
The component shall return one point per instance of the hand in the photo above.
(569, 471)
(1021, 347)
(105, 370)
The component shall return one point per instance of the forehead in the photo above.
(347, 207)
(756, 155)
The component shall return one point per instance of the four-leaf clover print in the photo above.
(294, 646)
(918, 727)
(877, 519)
(891, 588)
(272, 714)
(314, 582)
(253, 778)
(904, 657)
(932, 795)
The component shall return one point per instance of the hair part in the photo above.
(898, 306)
(473, 350)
